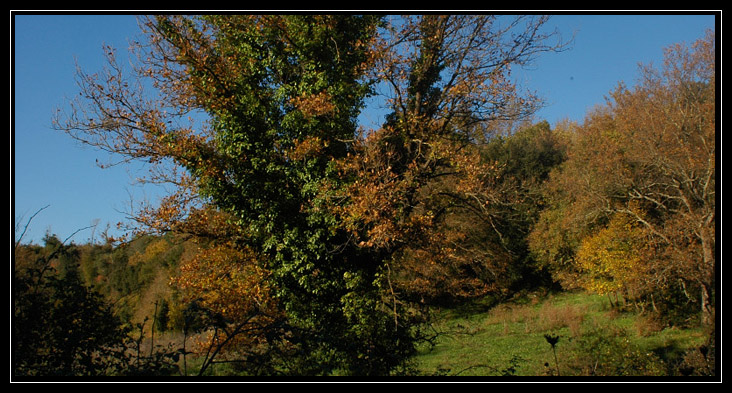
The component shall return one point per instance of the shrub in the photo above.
(605, 351)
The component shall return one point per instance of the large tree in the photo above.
(327, 211)
(671, 118)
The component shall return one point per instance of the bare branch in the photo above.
(27, 224)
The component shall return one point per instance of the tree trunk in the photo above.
(707, 286)
(707, 306)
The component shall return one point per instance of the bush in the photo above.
(61, 328)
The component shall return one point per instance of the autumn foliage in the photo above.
(633, 209)
(319, 242)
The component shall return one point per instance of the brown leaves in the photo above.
(310, 147)
(420, 201)
(319, 104)
(634, 204)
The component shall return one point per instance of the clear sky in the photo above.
(50, 169)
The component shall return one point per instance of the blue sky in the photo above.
(52, 170)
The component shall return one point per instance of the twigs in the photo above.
(27, 224)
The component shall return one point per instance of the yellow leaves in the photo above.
(612, 258)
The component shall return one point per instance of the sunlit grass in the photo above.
(509, 339)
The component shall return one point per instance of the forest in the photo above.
(297, 243)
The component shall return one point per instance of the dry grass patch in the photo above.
(531, 318)
(554, 317)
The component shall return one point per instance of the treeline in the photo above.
(128, 276)
(314, 247)
(632, 212)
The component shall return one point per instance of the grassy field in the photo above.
(592, 339)
(508, 339)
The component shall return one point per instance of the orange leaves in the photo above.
(319, 104)
(161, 218)
(419, 201)
(373, 198)
(309, 147)
(226, 278)
(208, 222)
(228, 281)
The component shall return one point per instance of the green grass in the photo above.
(509, 339)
